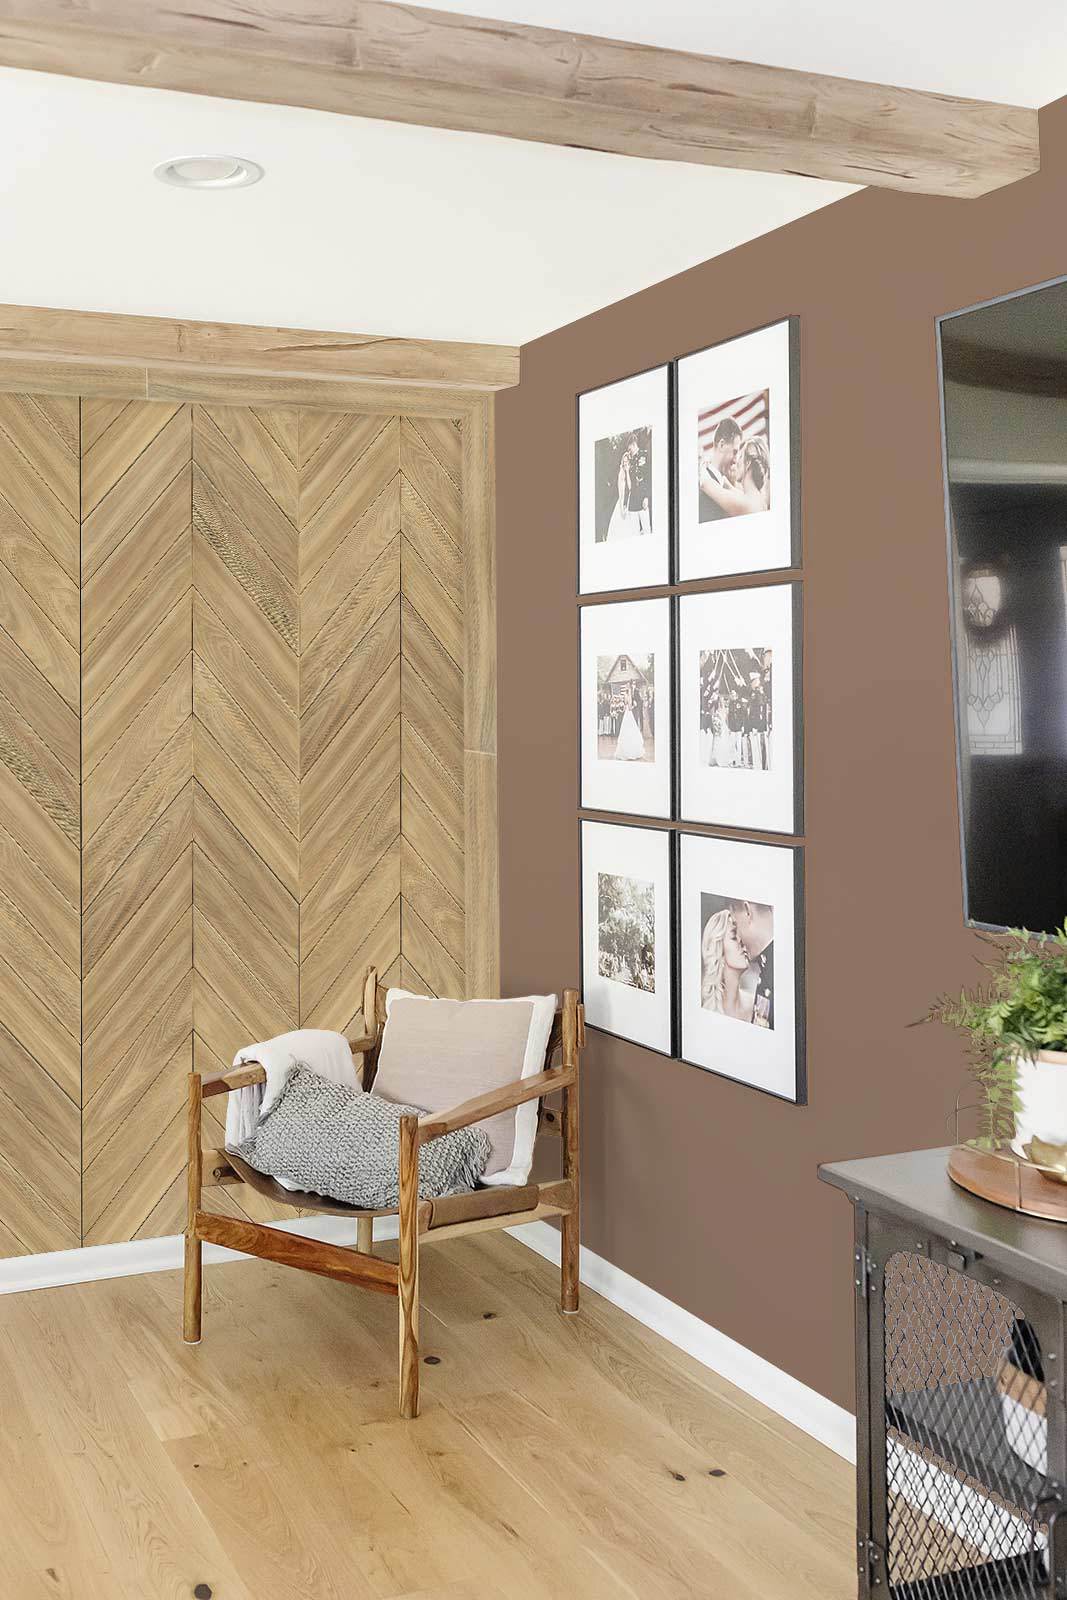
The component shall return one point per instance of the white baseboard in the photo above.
(791, 1399)
(19, 1273)
(830, 1424)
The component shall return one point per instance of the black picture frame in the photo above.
(651, 826)
(797, 691)
(595, 596)
(800, 1097)
(796, 540)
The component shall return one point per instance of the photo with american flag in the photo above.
(734, 463)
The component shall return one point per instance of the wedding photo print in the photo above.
(734, 458)
(623, 473)
(626, 930)
(740, 920)
(739, 724)
(627, 924)
(737, 455)
(737, 959)
(623, 485)
(625, 707)
(736, 718)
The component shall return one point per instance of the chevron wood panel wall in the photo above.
(40, 877)
(432, 721)
(232, 652)
(137, 808)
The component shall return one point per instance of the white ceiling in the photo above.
(374, 227)
(984, 49)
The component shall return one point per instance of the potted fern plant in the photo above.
(1016, 1026)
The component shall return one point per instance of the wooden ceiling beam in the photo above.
(435, 69)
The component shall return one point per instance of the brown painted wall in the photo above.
(701, 1188)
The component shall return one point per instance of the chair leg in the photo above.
(409, 1267)
(194, 1279)
(571, 1131)
(194, 1264)
(365, 1235)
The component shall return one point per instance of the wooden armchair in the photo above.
(419, 1222)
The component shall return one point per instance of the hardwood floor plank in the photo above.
(239, 614)
(112, 452)
(163, 652)
(111, 585)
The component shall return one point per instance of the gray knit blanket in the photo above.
(343, 1142)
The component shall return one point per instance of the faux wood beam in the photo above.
(240, 349)
(433, 68)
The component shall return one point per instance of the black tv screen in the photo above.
(1004, 385)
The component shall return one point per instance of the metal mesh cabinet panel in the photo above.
(967, 1489)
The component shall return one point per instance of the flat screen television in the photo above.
(1004, 389)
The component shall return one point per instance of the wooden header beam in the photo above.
(407, 64)
(177, 347)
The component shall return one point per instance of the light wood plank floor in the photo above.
(557, 1458)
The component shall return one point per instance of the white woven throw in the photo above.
(342, 1142)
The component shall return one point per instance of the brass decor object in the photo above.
(1038, 1188)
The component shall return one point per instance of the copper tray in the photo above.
(1004, 1178)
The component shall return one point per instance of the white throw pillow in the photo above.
(438, 1053)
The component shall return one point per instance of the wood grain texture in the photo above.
(267, 789)
(554, 1457)
(438, 69)
(137, 933)
(187, 348)
(40, 834)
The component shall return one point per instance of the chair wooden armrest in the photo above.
(238, 1078)
(360, 1047)
(437, 1123)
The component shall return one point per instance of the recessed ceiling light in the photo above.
(209, 172)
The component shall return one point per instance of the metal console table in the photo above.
(960, 1408)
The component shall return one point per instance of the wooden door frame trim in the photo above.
(51, 373)
(435, 68)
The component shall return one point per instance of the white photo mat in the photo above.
(758, 541)
(747, 796)
(634, 628)
(643, 857)
(771, 1059)
(633, 404)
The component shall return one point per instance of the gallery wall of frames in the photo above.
(691, 800)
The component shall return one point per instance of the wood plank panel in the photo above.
(246, 552)
(40, 838)
(136, 802)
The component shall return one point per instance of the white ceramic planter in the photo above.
(1042, 1100)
